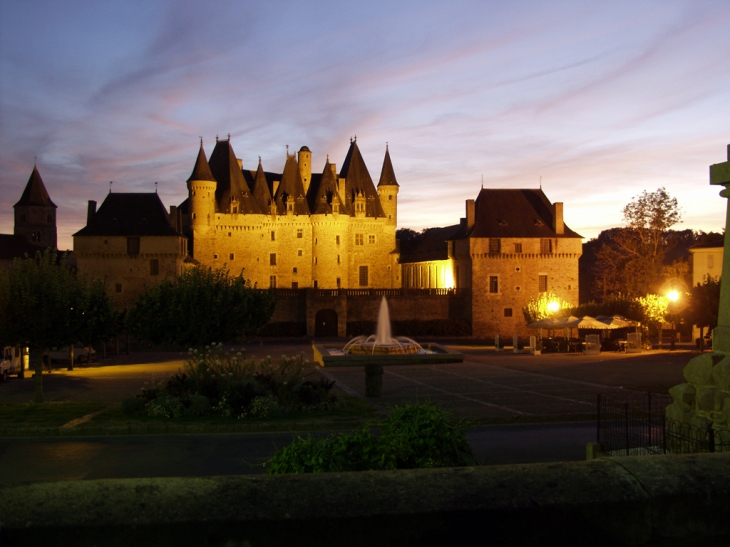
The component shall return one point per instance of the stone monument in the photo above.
(704, 400)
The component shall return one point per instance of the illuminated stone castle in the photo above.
(296, 229)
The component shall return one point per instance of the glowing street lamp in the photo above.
(673, 295)
(553, 306)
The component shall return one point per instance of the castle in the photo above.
(296, 229)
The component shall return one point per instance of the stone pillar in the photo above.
(720, 175)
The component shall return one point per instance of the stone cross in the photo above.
(720, 175)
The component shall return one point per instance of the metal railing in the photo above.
(630, 425)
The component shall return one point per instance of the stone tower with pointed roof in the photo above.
(294, 229)
(35, 213)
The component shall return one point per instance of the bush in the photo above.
(166, 406)
(133, 405)
(413, 436)
(198, 406)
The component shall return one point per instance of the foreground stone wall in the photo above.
(656, 500)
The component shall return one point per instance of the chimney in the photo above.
(558, 224)
(470, 213)
(90, 211)
(240, 163)
(333, 166)
(173, 216)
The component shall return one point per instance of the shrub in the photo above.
(264, 407)
(413, 436)
(133, 405)
(198, 406)
(165, 406)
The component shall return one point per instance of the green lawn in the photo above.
(17, 415)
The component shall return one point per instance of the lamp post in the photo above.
(673, 297)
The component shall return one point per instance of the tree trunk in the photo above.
(38, 377)
(71, 357)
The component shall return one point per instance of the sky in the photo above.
(595, 101)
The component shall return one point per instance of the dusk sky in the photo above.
(601, 99)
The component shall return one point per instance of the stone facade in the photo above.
(511, 246)
(296, 229)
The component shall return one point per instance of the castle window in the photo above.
(273, 236)
(338, 259)
(546, 246)
(358, 239)
(338, 283)
(215, 256)
(231, 256)
(229, 234)
(119, 287)
(389, 217)
(371, 239)
(195, 216)
(315, 259)
(272, 259)
(495, 246)
(234, 209)
(294, 270)
(542, 283)
(390, 198)
(106, 241)
(518, 248)
(363, 276)
(36, 236)
(337, 240)
(493, 284)
(508, 312)
(154, 267)
(315, 284)
(315, 240)
(272, 281)
(294, 284)
(299, 252)
(132, 246)
(710, 261)
(300, 234)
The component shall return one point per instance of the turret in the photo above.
(304, 160)
(388, 190)
(201, 192)
(35, 213)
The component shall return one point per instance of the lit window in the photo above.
(358, 239)
(493, 284)
(494, 246)
(363, 277)
(546, 246)
(542, 283)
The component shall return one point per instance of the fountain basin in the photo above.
(331, 355)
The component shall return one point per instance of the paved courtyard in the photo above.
(488, 386)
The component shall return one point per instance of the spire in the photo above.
(387, 175)
(323, 195)
(357, 180)
(291, 186)
(201, 171)
(261, 191)
(35, 192)
(232, 186)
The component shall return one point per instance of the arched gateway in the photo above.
(325, 323)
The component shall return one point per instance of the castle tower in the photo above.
(35, 213)
(388, 190)
(304, 160)
(201, 193)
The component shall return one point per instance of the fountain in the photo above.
(383, 348)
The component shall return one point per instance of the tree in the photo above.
(654, 309)
(631, 260)
(545, 305)
(704, 304)
(35, 306)
(99, 321)
(199, 307)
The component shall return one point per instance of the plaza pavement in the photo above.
(487, 387)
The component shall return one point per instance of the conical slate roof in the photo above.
(232, 187)
(357, 180)
(323, 193)
(387, 175)
(261, 192)
(201, 171)
(291, 185)
(35, 192)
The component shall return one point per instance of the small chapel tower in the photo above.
(35, 214)
(388, 191)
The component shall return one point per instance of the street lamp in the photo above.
(553, 306)
(673, 297)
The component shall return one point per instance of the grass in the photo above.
(17, 415)
(355, 410)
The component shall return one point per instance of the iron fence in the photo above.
(635, 424)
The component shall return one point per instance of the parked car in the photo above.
(14, 360)
(82, 354)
